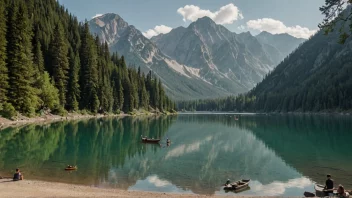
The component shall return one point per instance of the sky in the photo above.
(299, 18)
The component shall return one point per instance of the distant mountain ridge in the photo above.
(181, 82)
(204, 60)
(284, 43)
(236, 62)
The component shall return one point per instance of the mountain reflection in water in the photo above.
(282, 155)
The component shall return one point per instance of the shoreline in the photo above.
(347, 113)
(34, 188)
(47, 119)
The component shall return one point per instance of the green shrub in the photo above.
(8, 111)
(59, 110)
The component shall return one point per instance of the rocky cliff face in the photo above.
(235, 62)
(204, 60)
(181, 82)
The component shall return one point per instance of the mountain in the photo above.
(283, 43)
(315, 77)
(235, 62)
(204, 60)
(181, 81)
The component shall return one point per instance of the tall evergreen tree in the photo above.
(128, 104)
(38, 59)
(60, 64)
(73, 89)
(161, 96)
(120, 94)
(21, 91)
(89, 72)
(143, 94)
(3, 67)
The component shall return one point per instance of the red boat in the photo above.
(147, 140)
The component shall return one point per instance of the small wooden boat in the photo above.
(71, 168)
(320, 190)
(147, 140)
(238, 191)
(238, 185)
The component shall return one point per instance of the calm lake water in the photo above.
(282, 155)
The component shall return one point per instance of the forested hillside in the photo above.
(48, 60)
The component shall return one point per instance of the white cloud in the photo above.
(277, 27)
(97, 15)
(225, 15)
(159, 29)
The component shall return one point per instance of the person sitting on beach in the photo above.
(18, 175)
(329, 185)
(341, 192)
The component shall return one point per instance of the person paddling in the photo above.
(18, 175)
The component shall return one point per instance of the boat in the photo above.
(147, 140)
(320, 190)
(238, 185)
(239, 190)
(71, 168)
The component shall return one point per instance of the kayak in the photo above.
(71, 168)
(146, 140)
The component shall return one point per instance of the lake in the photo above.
(281, 154)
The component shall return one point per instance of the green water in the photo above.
(282, 155)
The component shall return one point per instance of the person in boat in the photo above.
(69, 166)
(18, 175)
(228, 182)
(329, 185)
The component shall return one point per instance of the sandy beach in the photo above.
(32, 188)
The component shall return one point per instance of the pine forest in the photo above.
(50, 61)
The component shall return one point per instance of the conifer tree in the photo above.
(89, 72)
(128, 96)
(120, 93)
(161, 96)
(73, 89)
(60, 64)
(143, 94)
(38, 59)
(3, 67)
(19, 49)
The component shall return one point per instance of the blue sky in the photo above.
(296, 17)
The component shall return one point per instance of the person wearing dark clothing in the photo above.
(329, 185)
(18, 175)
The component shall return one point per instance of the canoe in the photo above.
(71, 169)
(146, 140)
(238, 185)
